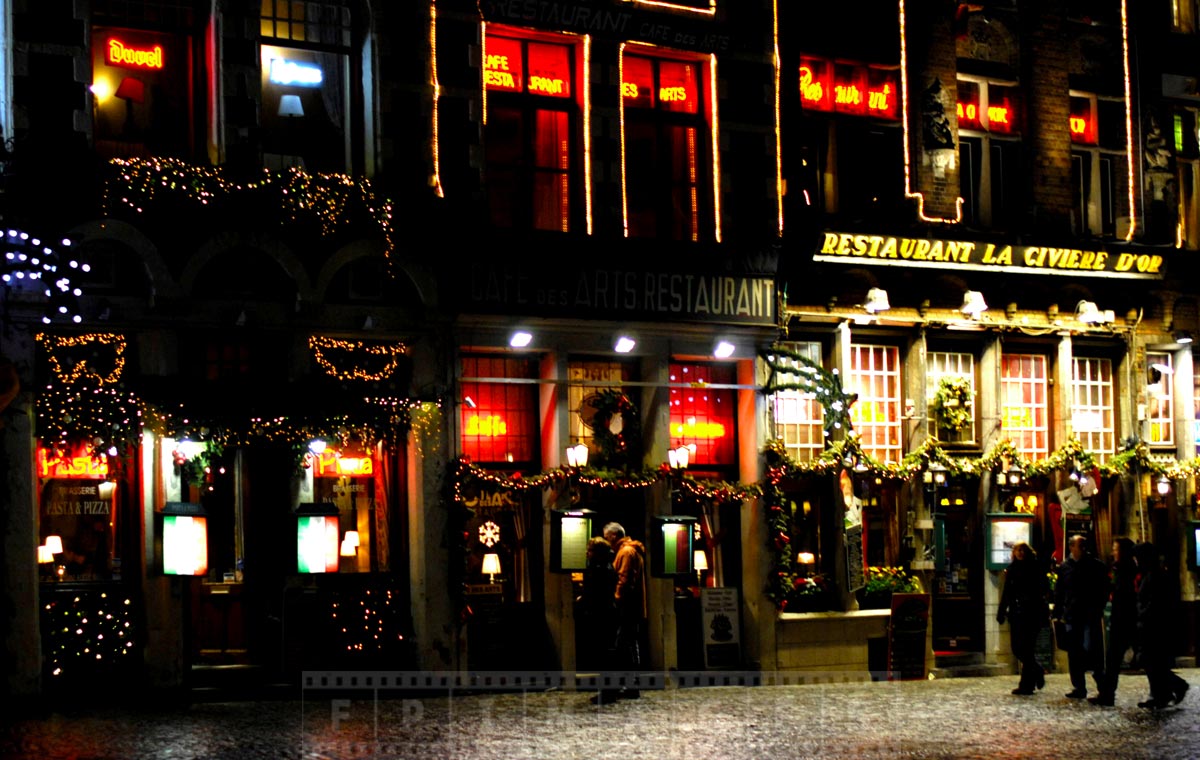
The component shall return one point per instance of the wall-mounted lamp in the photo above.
(723, 350)
(1162, 485)
(1089, 314)
(624, 344)
(923, 308)
(491, 566)
(973, 304)
(678, 458)
(520, 339)
(1014, 476)
(470, 402)
(577, 455)
(1183, 337)
(877, 301)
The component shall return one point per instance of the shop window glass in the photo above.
(875, 376)
(1184, 16)
(77, 504)
(796, 415)
(1092, 409)
(1097, 127)
(347, 480)
(141, 92)
(702, 416)
(989, 152)
(529, 134)
(951, 365)
(499, 423)
(1160, 398)
(306, 95)
(1024, 404)
(667, 151)
(585, 380)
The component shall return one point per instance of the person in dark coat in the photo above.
(1023, 602)
(597, 618)
(1079, 599)
(1155, 621)
(1122, 621)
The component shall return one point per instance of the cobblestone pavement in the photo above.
(945, 718)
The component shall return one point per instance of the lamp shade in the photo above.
(132, 89)
(491, 566)
(577, 455)
(700, 560)
(351, 538)
(54, 544)
(973, 303)
(290, 105)
(45, 555)
(877, 300)
(678, 458)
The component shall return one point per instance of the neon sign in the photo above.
(848, 88)
(502, 65)
(295, 73)
(490, 425)
(1078, 126)
(120, 54)
(331, 464)
(53, 466)
(693, 429)
(1000, 114)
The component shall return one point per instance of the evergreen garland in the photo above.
(810, 377)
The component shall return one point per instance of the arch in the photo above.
(157, 273)
(418, 276)
(229, 242)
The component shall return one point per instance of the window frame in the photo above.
(997, 170)
(891, 377)
(1098, 378)
(933, 374)
(804, 441)
(517, 385)
(1094, 213)
(1165, 420)
(1040, 433)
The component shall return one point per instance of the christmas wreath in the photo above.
(952, 403)
(616, 429)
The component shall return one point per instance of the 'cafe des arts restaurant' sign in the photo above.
(887, 250)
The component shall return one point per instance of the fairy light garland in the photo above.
(366, 621)
(138, 183)
(86, 632)
(52, 345)
(28, 259)
(354, 350)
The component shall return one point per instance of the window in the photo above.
(142, 93)
(1184, 16)
(796, 415)
(1097, 127)
(989, 153)
(585, 379)
(1092, 406)
(1160, 399)
(529, 135)
(704, 417)
(1024, 404)
(499, 420)
(1186, 127)
(853, 154)
(875, 376)
(306, 94)
(667, 148)
(952, 365)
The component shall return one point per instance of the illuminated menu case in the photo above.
(671, 546)
(570, 530)
(1003, 531)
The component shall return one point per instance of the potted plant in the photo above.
(882, 582)
(811, 593)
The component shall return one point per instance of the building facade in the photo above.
(348, 283)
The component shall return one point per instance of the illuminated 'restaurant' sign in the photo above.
(887, 250)
(121, 54)
(848, 88)
(678, 84)
(549, 67)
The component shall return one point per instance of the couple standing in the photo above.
(614, 608)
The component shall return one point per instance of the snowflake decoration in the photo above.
(489, 534)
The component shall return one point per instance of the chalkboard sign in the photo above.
(856, 573)
(906, 637)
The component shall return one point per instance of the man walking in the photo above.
(630, 596)
(1079, 599)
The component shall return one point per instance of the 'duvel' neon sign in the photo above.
(120, 54)
(295, 73)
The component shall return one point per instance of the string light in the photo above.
(356, 349)
(51, 344)
(87, 631)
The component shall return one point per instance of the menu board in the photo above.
(80, 512)
(907, 636)
(720, 617)
(575, 534)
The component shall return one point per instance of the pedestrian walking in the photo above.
(630, 598)
(1122, 619)
(1079, 599)
(1155, 621)
(1023, 602)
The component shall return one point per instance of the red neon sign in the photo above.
(848, 88)
(677, 86)
(549, 70)
(120, 54)
(637, 82)
(1082, 127)
(502, 65)
(81, 467)
(332, 464)
(816, 84)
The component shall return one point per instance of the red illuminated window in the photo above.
(1097, 128)
(704, 417)
(499, 421)
(667, 151)
(989, 152)
(848, 88)
(987, 107)
(532, 179)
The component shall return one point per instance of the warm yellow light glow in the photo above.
(908, 191)
(490, 425)
(351, 538)
(693, 429)
(436, 179)
(491, 566)
(805, 558)
(54, 544)
(102, 89)
(45, 556)
(51, 344)
(621, 129)
(709, 11)
(587, 131)
(1128, 120)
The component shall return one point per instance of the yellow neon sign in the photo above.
(693, 429)
(489, 425)
(52, 466)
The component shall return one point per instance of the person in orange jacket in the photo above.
(630, 597)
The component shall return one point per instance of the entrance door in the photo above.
(958, 573)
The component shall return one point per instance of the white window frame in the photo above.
(986, 206)
(1093, 215)
(941, 364)
(1032, 437)
(795, 416)
(876, 415)
(579, 372)
(1160, 401)
(1093, 402)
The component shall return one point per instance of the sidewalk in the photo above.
(943, 718)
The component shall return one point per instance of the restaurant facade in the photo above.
(352, 323)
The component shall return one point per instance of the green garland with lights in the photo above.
(952, 403)
(810, 377)
(621, 449)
